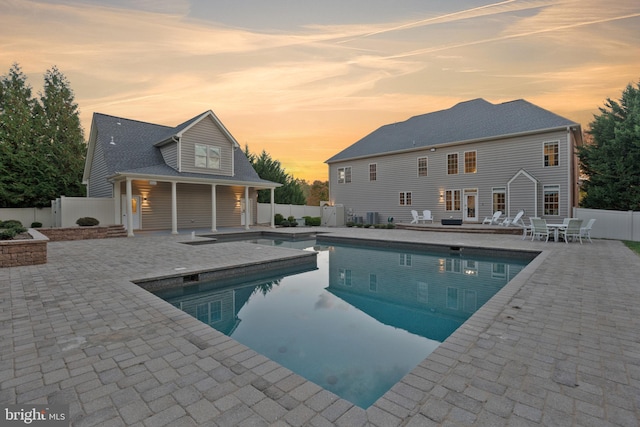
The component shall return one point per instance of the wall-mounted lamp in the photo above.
(433, 149)
(144, 198)
(152, 182)
(441, 196)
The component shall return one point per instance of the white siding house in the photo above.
(190, 176)
(464, 162)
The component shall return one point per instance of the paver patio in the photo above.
(559, 345)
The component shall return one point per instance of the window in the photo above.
(373, 171)
(209, 312)
(552, 200)
(207, 156)
(423, 293)
(344, 175)
(405, 198)
(551, 153)
(452, 200)
(344, 277)
(373, 282)
(405, 260)
(452, 164)
(452, 298)
(422, 166)
(499, 199)
(470, 162)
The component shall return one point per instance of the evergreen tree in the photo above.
(16, 135)
(267, 168)
(612, 159)
(41, 143)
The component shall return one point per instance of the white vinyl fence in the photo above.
(297, 211)
(28, 216)
(619, 225)
(67, 210)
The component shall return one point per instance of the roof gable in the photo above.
(476, 119)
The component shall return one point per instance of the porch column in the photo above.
(174, 209)
(273, 207)
(129, 209)
(246, 208)
(213, 208)
(117, 203)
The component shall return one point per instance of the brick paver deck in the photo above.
(559, 345)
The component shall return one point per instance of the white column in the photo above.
(129, 209)
(174, 209)
(273, 207)
(213, 208)
(246, 207)
(117, 203)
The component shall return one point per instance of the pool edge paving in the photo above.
(558, 345)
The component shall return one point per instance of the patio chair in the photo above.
(539, 229)
(527, 230)
(586, 230)
(572, 230)
(513, 221)
(416, 218)
(426, 216)
(492, 220)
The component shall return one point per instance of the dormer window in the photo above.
(207, 156)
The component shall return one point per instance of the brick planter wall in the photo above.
(15, 253)
(75, 233)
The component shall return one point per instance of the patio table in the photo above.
(556, 229)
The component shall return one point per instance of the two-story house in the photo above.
(194, 175)
(465, 162)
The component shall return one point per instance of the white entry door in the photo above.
(245, 208)
(135, 209)
(470, 199)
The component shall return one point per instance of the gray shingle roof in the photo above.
(467, 121)
(129, 147)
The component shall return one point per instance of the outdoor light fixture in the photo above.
(433, 149)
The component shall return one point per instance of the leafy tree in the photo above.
(612, 159)
(315, 192)
(267, 168)
(41, 141)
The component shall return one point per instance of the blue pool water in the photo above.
(357, 324)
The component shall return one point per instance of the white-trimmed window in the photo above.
(209, 312)
(207, 156)
(405, 260)
(344, 277)
(344, 175)
(551, 199)
(452, 200)
(405, 198)
(423, 165)
(373, 171)
(470, 162)
(499, 199)
(452, 164)
(550, 153)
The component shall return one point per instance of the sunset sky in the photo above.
(305, 79)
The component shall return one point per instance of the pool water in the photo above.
(357, 324)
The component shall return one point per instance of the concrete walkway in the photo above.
(558, 346)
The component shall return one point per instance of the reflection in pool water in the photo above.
(357, 324)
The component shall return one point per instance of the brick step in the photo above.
(116, 231)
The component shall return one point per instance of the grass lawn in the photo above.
(634, 246)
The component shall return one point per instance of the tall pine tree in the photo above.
(612, 159)
(41, 141)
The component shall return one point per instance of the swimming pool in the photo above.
(359, 322)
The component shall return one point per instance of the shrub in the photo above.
(10, 223)
(313, 221)
(278, 218)
(285, 223)
(350, 224)
(7, 234)
(87, 221)
(292, 221)
(36, 224)
(391, 225)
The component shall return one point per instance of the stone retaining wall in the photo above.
(15, 253)
(75, 233)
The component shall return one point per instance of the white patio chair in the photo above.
(492, 220)
(426, 216)
(586, 230)
(527, 230)
(539, 229)
(416, 218)
(572, 230)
